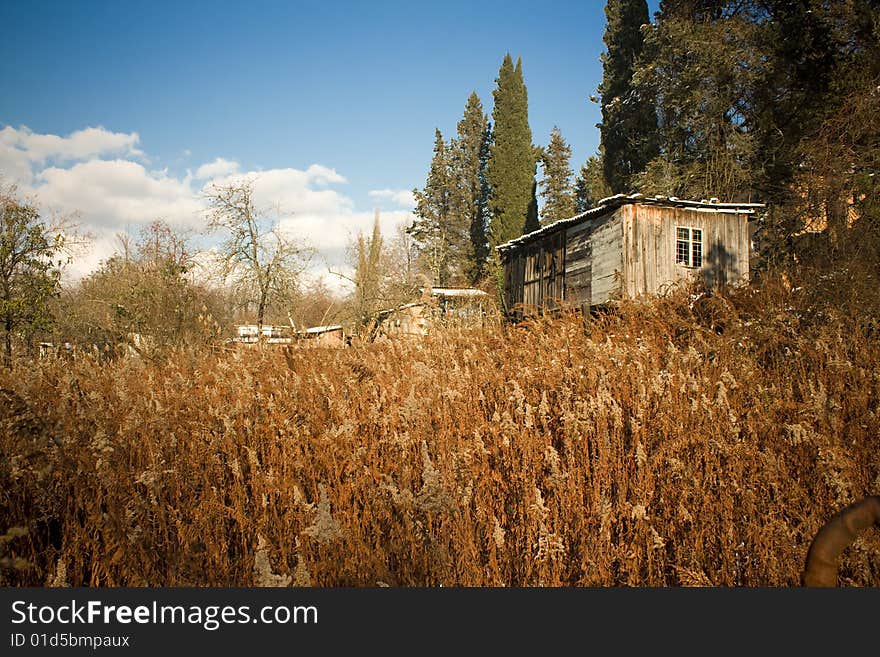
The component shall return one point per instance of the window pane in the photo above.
(681, 252)
(682, 233)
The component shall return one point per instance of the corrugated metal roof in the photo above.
(611, 203)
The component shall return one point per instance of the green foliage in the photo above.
(557, 189)
(29, 274)
(532, 221)
(470, 189)
(816, 140)
(144, 296)
(433, 227)
(628, 130)
(512, 160)
(590, 186)
(452, 208)
(703, 73)
(768, 101)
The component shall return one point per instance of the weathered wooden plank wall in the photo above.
(514, 273)
(607, 256)
(579, 264)
(532, 279)
(535, 273)
(553, 274)
(649, 237)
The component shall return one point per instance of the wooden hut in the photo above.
(627, 246)
(322, 336)
(459, 306)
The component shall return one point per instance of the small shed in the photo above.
(322, 336)
(406, 320)
(627, 246)
(460, 306)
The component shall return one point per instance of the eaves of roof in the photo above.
(611, 203)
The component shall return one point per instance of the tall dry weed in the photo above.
(690, 441)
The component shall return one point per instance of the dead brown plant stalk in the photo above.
(680, 442)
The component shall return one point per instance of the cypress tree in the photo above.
(628, 130)
(480, 225)
(511, 170)
(532, 221)
(556, 185)
(368, 274)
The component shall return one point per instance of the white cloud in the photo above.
(114, 194)
(402, 197)
(15, 165)
(79, 145)
(324, 176)
(100, 248)
(216, 169)
(119, 194)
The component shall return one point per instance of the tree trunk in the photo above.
(261, 310)
(7, 351)
(836, 208)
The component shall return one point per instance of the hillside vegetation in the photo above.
(694, 440)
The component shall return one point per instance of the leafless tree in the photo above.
(262, 264)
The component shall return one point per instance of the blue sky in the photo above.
(354, 89)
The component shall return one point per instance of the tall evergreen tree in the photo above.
(532, 221)
(823, 67)
(701, 61)
(430, 229)
(590, 186)
(480, 225)
(767, 101)
(511, 171)
(629, 122)
(556, 185)
(469, 190)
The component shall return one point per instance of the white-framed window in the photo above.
(688, 247)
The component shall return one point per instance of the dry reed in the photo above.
(683, 442)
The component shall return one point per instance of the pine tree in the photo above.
(556, 186)
(469, 191)
(433, 215)
(590, 186)
(511, 171)
(629, 121)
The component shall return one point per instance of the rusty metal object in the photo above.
(834, 537)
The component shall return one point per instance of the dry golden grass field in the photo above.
(683, 442)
